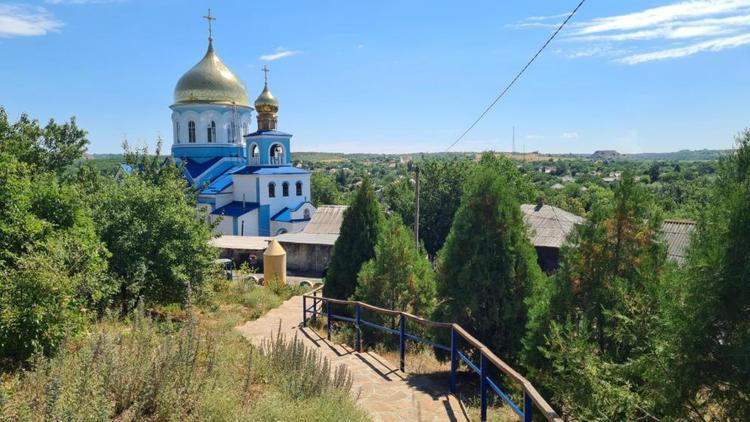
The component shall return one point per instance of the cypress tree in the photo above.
(487, 265)
(712, 329)
(355, 244)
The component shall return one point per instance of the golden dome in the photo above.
(266, 102)
(210, 81)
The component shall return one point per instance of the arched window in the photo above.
(211, 129)
(177, 131)
(285, 189)
(191, 132)
(272, 190)
(277, 154)
(254, 154)
(298, 188)
(306, 213)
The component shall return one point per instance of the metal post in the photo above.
(528, 407)
(402, 340)
(483, 386)
(328, 317)
(358, 316)
(454, 360)
(304, 311)
(315, 304)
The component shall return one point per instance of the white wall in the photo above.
(280, 201)
(225, 226)
(251, 224)
(244, 184)
(203, 115)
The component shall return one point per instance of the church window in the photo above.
(285, 189)
(306, 214)
(272, 190)
(298, 188)
(229, 134)
(277, 154)
(211, 129)
(191, 132)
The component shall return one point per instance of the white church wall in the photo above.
(225, 226)
(281, 201)
(250, 221)
(244, 184)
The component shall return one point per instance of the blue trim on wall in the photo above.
(264, 221)
(257, 189)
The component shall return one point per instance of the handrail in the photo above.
(531, 395)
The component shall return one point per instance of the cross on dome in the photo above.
(265, 71)
(209, 18)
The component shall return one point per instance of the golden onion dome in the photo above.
(266, 102)
(210, 81)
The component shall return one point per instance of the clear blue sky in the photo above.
(395, 76)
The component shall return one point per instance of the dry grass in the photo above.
(188, 371)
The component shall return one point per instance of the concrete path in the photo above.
(383, 391)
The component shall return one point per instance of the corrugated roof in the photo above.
(308, 238)
(677, 237)
(326, 220)
(548, 226)
(252, 243)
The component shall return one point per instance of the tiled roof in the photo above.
(219, 184)
(677, 237)
(548, 226)
(235, 208)
(326, 220)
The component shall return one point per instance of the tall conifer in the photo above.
(356, 243)
(487, 265)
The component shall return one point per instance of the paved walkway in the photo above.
(383, 391)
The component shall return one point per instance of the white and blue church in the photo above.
(245, 178)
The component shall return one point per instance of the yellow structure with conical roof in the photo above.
(274, 262)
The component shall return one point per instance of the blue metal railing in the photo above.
(531, 397)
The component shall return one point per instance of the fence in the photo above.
(531, 397)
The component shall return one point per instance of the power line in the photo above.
(549, 40)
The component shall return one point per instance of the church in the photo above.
(245, 178)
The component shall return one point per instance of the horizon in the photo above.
(393, 78)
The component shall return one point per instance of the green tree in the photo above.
(487, 266)
(51, 262)
(399, 276)
(592, 331)
(323, 190)
(51, 148)
(356, 243)
(712, 330)
(158, 239)
(398, 198)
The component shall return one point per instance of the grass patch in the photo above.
(194, 370)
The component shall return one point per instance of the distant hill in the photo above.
(683, 155)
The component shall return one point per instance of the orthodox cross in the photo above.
(265, 71)
(209, 18)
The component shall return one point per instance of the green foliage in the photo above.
(711, 328)
(487, 266)
(44, 149)
(593, 330)
(158, 240)
(323, 190)
(189, 372)
(51, 262)
(399, 276)
(356, 243)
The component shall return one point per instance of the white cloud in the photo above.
(280, 53)
(22, 20)
(569, 135)
(670, 31)
(672, 53)
(360, 46)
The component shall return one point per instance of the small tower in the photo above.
(268, 146)
(267, 106)
(274, 262)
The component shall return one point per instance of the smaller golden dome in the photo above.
(266, 102)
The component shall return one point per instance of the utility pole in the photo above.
(416, 208)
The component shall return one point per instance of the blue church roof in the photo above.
(235, 208)
(285, 215)
(269, 133)
(196, 168)
(219, 184)
(265, 170)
